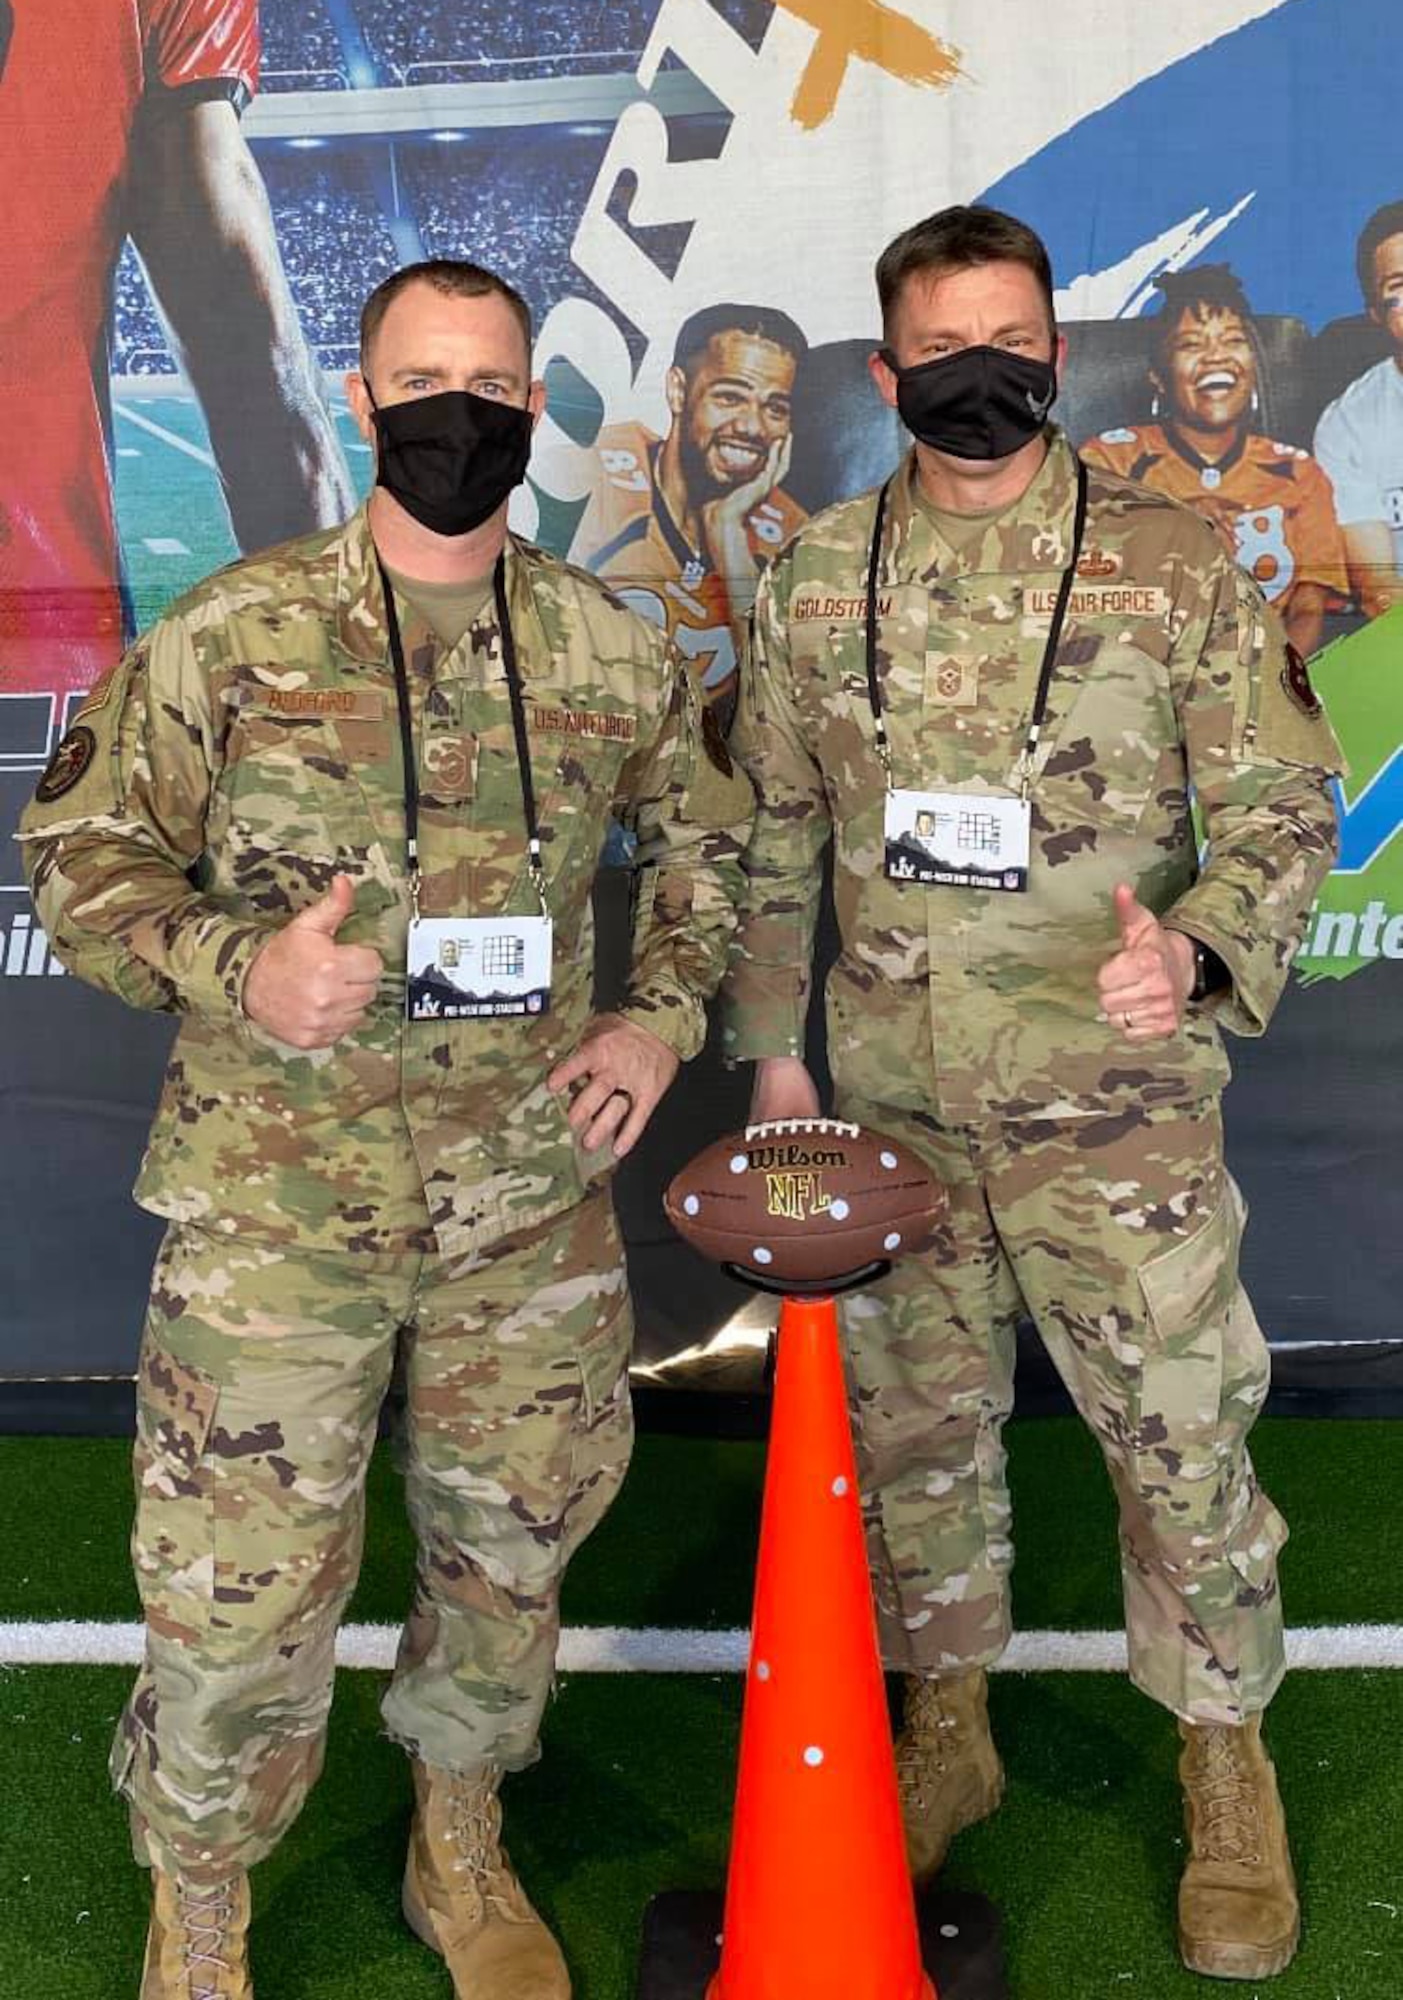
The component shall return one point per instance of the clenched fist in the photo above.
(304, 987)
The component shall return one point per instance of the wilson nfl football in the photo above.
(808, 1201)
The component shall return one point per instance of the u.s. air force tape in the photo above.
(67, 765)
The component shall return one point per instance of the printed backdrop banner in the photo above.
(691, 194)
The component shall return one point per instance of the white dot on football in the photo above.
(838, 1210)
(691, 1206)
(762, 1255)
(739, 1163)
(892, 1242)
(888, 1159)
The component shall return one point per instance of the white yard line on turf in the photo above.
(194, 451)
(619, 1649)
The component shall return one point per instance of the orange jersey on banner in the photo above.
(1271, 503)
(74, 76)
(627, 536)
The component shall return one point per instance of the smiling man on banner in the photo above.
(681, 525)
(1031, 663)
(1359, 439)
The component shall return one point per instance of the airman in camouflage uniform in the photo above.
(1031, 1046)
(417, 1187)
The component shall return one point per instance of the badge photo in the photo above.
(960, 840)
(478, 968)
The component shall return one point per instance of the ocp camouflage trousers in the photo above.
(261, 1380)
(1119, 1236)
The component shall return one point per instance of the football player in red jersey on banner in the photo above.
(121, 118)
(681, 525)
(1271, 502)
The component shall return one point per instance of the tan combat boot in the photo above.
(462, 1899)
(1238, 1913)
(947, 1769)
(197, 1946)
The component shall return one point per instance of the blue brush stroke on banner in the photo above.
(1301, 108)
(1367, 826)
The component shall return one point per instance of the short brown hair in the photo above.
(455, 277)
(958, 239)
(1384, 223)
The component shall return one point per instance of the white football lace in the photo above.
(797, 1125)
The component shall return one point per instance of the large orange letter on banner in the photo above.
(878, 34)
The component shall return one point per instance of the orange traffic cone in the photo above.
(818, 1898)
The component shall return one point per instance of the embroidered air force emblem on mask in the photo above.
(67, 765)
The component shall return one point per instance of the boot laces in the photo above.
(475, 1826)
(205, 1916)
(924, 1747)
(1227, 1797)
(474, 1818)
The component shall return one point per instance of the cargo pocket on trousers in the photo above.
(173, 1536)
(1253, 1551)
(604, 1433)
(1188, 1291)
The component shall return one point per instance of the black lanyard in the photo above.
(409, 757)
(1054, 636)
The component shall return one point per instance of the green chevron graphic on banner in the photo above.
(1358, 916)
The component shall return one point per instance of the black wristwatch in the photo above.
(1210, 973)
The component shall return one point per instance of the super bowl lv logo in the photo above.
(795, 1196)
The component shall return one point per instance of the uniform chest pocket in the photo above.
(828, 679)
(299, 768)
(574, 769)
(279, 775)
(1112, 737)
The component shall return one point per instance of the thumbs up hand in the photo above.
(1143, 986)
(303, 986)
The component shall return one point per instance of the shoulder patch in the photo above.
(67, 765)
(97, 696)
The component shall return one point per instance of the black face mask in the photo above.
(451, 460)
(981, 402)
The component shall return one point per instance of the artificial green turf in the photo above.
(678, 1548)
(634, 1791)
(633, 1795)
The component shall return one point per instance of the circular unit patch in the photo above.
(67, 765)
